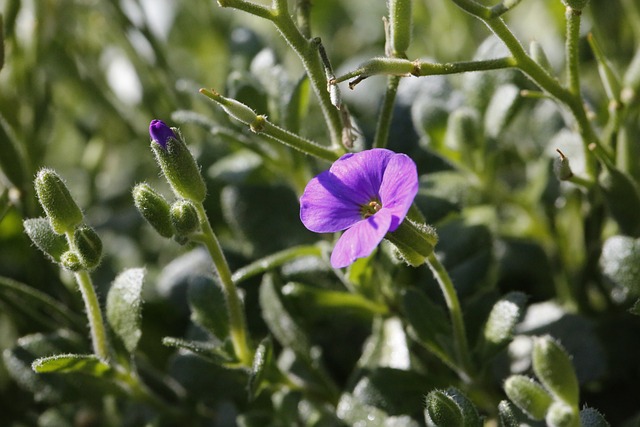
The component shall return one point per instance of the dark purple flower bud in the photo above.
(160, 132)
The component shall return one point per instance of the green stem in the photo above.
(275, 260)
(455, 312)
(386, 113)
(237, 325)
(548, 83)
(404, 67)
(307, 50)
(571, 49)
(92, 306)
(295, 141)
(96, 322)
(249, 7)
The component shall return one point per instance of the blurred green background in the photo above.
(82, 79)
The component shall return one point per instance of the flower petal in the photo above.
(361, 239)
(326, 206)
(362, 172)
(399, 187)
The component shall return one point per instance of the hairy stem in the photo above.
(386, 113)
(455, 312)
(237, 324)
(94, 314)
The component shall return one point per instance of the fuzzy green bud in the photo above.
(561, 415)
(235, 109)
(528, 395)
(180, 169)
(184, 217)
(153, 208)
(63, 212)
(553, 367)
(400, 25)
(442, 410)
(88, 245)
(575, 4)
(71, 261)
(414, 242)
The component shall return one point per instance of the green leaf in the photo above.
(51, 387)
(504, 316)
(281, 324)
(395, 391)
(429, 324)
(622, 198)
(353, 412)
(501, 109)
(36, 304)
(208, 350)
(247, 208)
(554, 369)
(387, 346)
(467, 254)
(208, 306)
(124, 306)
(620, 262)
(42, 235)
(297, 107)
(87, 364)
(528, 395)
(262, 361)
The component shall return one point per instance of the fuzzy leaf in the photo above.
(42, 235)
(428, 323)
(124, 305)
(208, 306)
(504, 316)
(281, 324)
(87, 364)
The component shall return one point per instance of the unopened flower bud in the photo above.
(160, 132)
(63, 212)
(178, 164)
(184, 217)
(71, 261)
(153, 208)
(561, 167)
(414, 242)
(88, 245)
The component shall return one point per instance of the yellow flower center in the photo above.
(370, 208)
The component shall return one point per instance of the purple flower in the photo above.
(160, 132)
(367, 194)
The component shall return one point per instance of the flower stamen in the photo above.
(370, 208)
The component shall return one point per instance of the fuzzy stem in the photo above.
(237, 324)
(386, 113)
(455, 312)
(571, 49)
(92, 306)
(94, 314)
